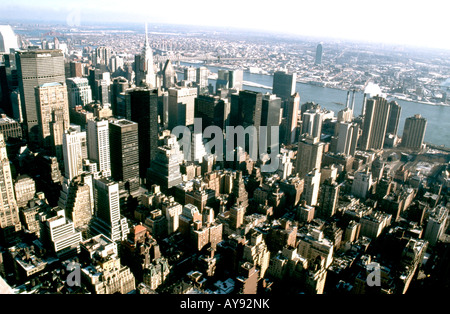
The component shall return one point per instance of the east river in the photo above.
(438, 117)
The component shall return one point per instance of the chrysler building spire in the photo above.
(145, 73)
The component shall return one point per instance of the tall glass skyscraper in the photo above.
(319, 52)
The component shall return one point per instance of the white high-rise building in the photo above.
(436, 224)
(362, 183)
(312, 186)
(348, 134)
(79, 91)
(98, 145)
(74, 150)
(202, 76)
(312, 123)
(59, 232)
(108, 220)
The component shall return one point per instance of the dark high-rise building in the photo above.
(271, 115)
(319, 53)
(118, 89)
(36, 68)
(142, 108)
(246, 109)
(394, 118)
(292, 119)
(375, 123)
(223, 80)
(212, 110)
(284, 84)
(123, 139)
(414, 132)
(76, 69)
(102, 89)
(5, 97)
(328, 199)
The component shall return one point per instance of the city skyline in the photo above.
(191, 161)
(402, 23)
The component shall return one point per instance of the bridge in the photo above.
(204, 58)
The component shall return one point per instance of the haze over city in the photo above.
(416, 23)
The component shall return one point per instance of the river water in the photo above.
(438, 117)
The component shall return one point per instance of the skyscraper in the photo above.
(312, 123)
(79, 92)
(309, 155)
(284, 84)
(165, 167)
(118, 89)
(181, 106)
(9, 212)
(319, 53)
(246, 111)
(76, 69)
(271, 115)
(236, 79)
(144, 67)
(348, 135)
(414, 132)
(108, 220)
(74, 150)
(312, 186)
(123, 135)
(292, 119)
(328, 199)
(169, 75)
(103, 56)
(394, 118)
(78, 207)
(375, 123)
(53, 115)
(212, 110)
(35, 68)
(142, 108)
(190, 74)
(98, 145)
(202, 77)
(223, 79)
(362, 183)
(58, 233)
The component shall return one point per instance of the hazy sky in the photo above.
(419, 23)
